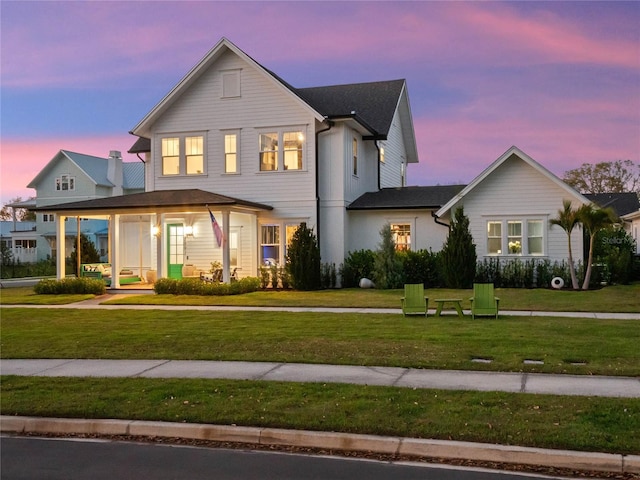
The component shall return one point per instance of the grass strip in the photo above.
(565, 345)
(618, 298)
(545, 421)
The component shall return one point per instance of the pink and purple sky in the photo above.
(560, 80)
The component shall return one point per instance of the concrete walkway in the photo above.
(600, 386)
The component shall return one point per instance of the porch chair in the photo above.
(484, 302)
(414, 302)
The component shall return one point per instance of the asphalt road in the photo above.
(69, 459)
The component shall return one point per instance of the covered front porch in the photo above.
(169, 234)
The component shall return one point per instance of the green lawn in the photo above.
(608, 347)
(619, 298)
(576, 423)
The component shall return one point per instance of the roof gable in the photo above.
(95, 168)
(142, 129)
(513, 151)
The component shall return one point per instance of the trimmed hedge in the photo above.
(194, 286)
(70, 285)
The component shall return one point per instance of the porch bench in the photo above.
(102, 271)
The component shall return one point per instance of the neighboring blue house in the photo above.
(70, 177)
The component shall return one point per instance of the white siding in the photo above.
(515, 191)
(395, 155)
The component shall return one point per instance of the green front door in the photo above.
(175, 248)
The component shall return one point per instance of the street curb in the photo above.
(454, 450)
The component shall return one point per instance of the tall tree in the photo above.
(605, 177)
(459, 255)
(22, 214)
(593, 220)
(568, 219)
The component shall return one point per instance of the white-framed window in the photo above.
(494, 238)
(289, 157)
(234, 248)
(48, 217)
(65, 182)
(25, 244)
(381, 153)
(194, 152)
(516, 236)
(183, 154)
(231, 84)
(354, 152)
(171, 156)
(401, 233)
(231, 152)
(269, 245)
(535, 236)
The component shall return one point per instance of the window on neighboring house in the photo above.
(48, 217)
(268, 152)
(231, 84)
(354, 151)
(514, 237)
(521, 237)
(231, 153)
(401, 236)
(270, 244)
(194, 150)
(171, 156)
(535, 234)
(494, 238)
(292, 142)
(65, 182)
(25, 244)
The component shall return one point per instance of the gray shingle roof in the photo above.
(406, 197)
(374, 103)
(621, 203)
(157, 199)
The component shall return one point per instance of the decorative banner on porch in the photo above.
(217, 231)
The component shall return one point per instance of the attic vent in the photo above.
(231, 84)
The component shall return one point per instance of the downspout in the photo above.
(435, 219)
(330, 123)
(375, 142)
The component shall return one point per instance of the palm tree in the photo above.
(567, 219)
(593, 220)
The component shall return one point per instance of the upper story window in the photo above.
(65, 182)
(231, 84)
(381, 154)
(274, 158)
(354, 151)
(231, 153)
(183, 155)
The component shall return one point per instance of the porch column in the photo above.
(161, 252)
(114, 222)
(60, 244)
(226, 257)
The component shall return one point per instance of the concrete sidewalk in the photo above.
(553, 384)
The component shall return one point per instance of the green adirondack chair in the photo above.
(414, 302)
(484, 302)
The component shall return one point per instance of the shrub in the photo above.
(459, 254)
(613, 254)
(264, 276)
(387, 267)
(303, 259)
(70, 286)
(357, 265)
(193, 286)
(328, 275)
(421, 267)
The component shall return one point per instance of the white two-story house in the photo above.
(234, 141)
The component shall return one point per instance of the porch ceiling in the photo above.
(155, 202)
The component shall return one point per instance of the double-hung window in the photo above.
(183, 155)
(514, 237)
(231, 153)
(354, 152)
(281, 150)
(535, 235)
(270, 244)
(401, 233)
(494, 238)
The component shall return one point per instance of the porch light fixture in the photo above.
(155, 231)
(188, 231)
